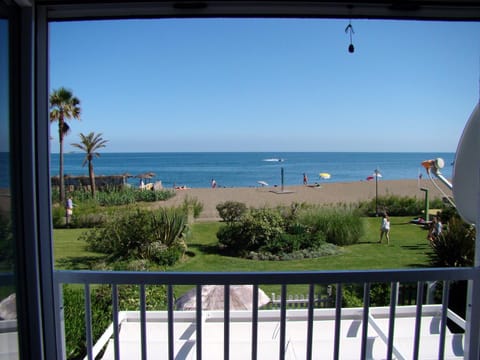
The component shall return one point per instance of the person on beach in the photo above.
(385, 228)
(214, 184)
(68, 210)
(305, 179)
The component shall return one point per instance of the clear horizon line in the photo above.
(257, 152)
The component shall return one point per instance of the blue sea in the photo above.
(245, 169)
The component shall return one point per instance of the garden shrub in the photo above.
(127, 196)
(114, 197)
(400, 205)
(352, 295)
(325, 249)
(86, 214)
(101, 311)
(157, 236)
(255, 228)
(74, 315)
(88, 220)
(283, 243)
(380, 294)
(448, 212)
(438, 203)
(150, 196)
(340, 225)
(93, 212)
(287, 243)
(274, 233)
(231, 211)
(194, 204)
(455, 247)
(395, 205)
(289, 214)
(58, 217)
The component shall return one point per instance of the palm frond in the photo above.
(90, 143)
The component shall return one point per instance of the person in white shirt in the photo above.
(385, 228)
(68, 210)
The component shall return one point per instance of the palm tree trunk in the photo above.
(92, 177)
(61, 179)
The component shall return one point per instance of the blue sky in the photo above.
(268, 84)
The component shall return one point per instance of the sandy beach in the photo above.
(326, 193)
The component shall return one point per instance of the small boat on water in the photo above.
(274, 160)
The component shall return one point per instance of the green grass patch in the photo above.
(70, 253)
(408, 248)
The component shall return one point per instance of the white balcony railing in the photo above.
(384, 324)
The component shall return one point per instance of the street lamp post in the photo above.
(427, 216)
(281, 174)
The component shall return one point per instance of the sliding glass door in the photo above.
(8, 313)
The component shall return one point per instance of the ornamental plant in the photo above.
(157, 236)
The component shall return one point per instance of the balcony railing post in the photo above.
(391, 326)
(88, 322)
(170, 322)
(283, 321)
(338, 317)
(430, 292)
(198, 321)
(255, 323)
(443, 322)
(60, 315)
(366, 309)
(226, 322)
(418, 320)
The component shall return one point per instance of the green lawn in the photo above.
(408, 249)
(70, 252)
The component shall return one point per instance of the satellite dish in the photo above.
(466, 169)
(439, 163)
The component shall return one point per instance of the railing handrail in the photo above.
(258, 278)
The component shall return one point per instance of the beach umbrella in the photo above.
(263, 183)
(325, 175)
(241, 298)
(147, 175)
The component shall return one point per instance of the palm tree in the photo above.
(90, 144)
(63, 106)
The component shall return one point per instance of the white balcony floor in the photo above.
(296, 335)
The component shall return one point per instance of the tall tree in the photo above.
(63, 106)
(90, 144)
